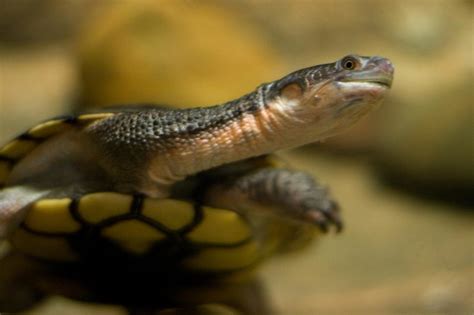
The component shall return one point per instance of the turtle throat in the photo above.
(251, 134)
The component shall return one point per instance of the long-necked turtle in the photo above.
(189, 190)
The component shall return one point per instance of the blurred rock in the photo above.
(35, 85)
(178, 53)
(425, 140)
(427, 145)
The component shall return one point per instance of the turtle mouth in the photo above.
(378, 78)
(383, 81)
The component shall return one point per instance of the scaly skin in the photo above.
(149, 150)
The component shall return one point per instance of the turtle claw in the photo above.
(318, 218)
(326, 216)
(333, 215)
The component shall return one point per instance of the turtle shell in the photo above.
(116, 228)
(165, 232)
(15, 150)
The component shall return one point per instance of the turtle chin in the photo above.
(360, 97)
(342, 104)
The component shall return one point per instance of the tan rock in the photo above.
(171, 52)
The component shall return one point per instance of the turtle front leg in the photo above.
(291, 194)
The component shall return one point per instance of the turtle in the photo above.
(184, 191)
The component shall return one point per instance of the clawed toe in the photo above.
(326, 217)
(317, 217)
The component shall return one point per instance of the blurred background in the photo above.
(403, 176)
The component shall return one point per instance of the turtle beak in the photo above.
(377, 70)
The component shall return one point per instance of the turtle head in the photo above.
(330, 97)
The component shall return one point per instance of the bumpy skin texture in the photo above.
(153, 130)
(129, 141)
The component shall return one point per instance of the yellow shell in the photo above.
(219, 239)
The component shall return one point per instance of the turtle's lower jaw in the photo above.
(385, 82)
(381, 78)
(364, 88)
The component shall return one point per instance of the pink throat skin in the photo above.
(252, 135)
(283, 124)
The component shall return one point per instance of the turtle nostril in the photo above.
(384, 64)
(387, 66)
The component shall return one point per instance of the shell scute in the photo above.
(172, 213)
(51, 216)
(133, 235)
(221, 227)
(97, 207)
(45, 247)
(15, 150)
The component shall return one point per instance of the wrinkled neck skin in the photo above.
(253, 134)
(277, 124)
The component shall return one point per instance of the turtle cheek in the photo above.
(292, 92)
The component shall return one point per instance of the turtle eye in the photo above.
(349, 63)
